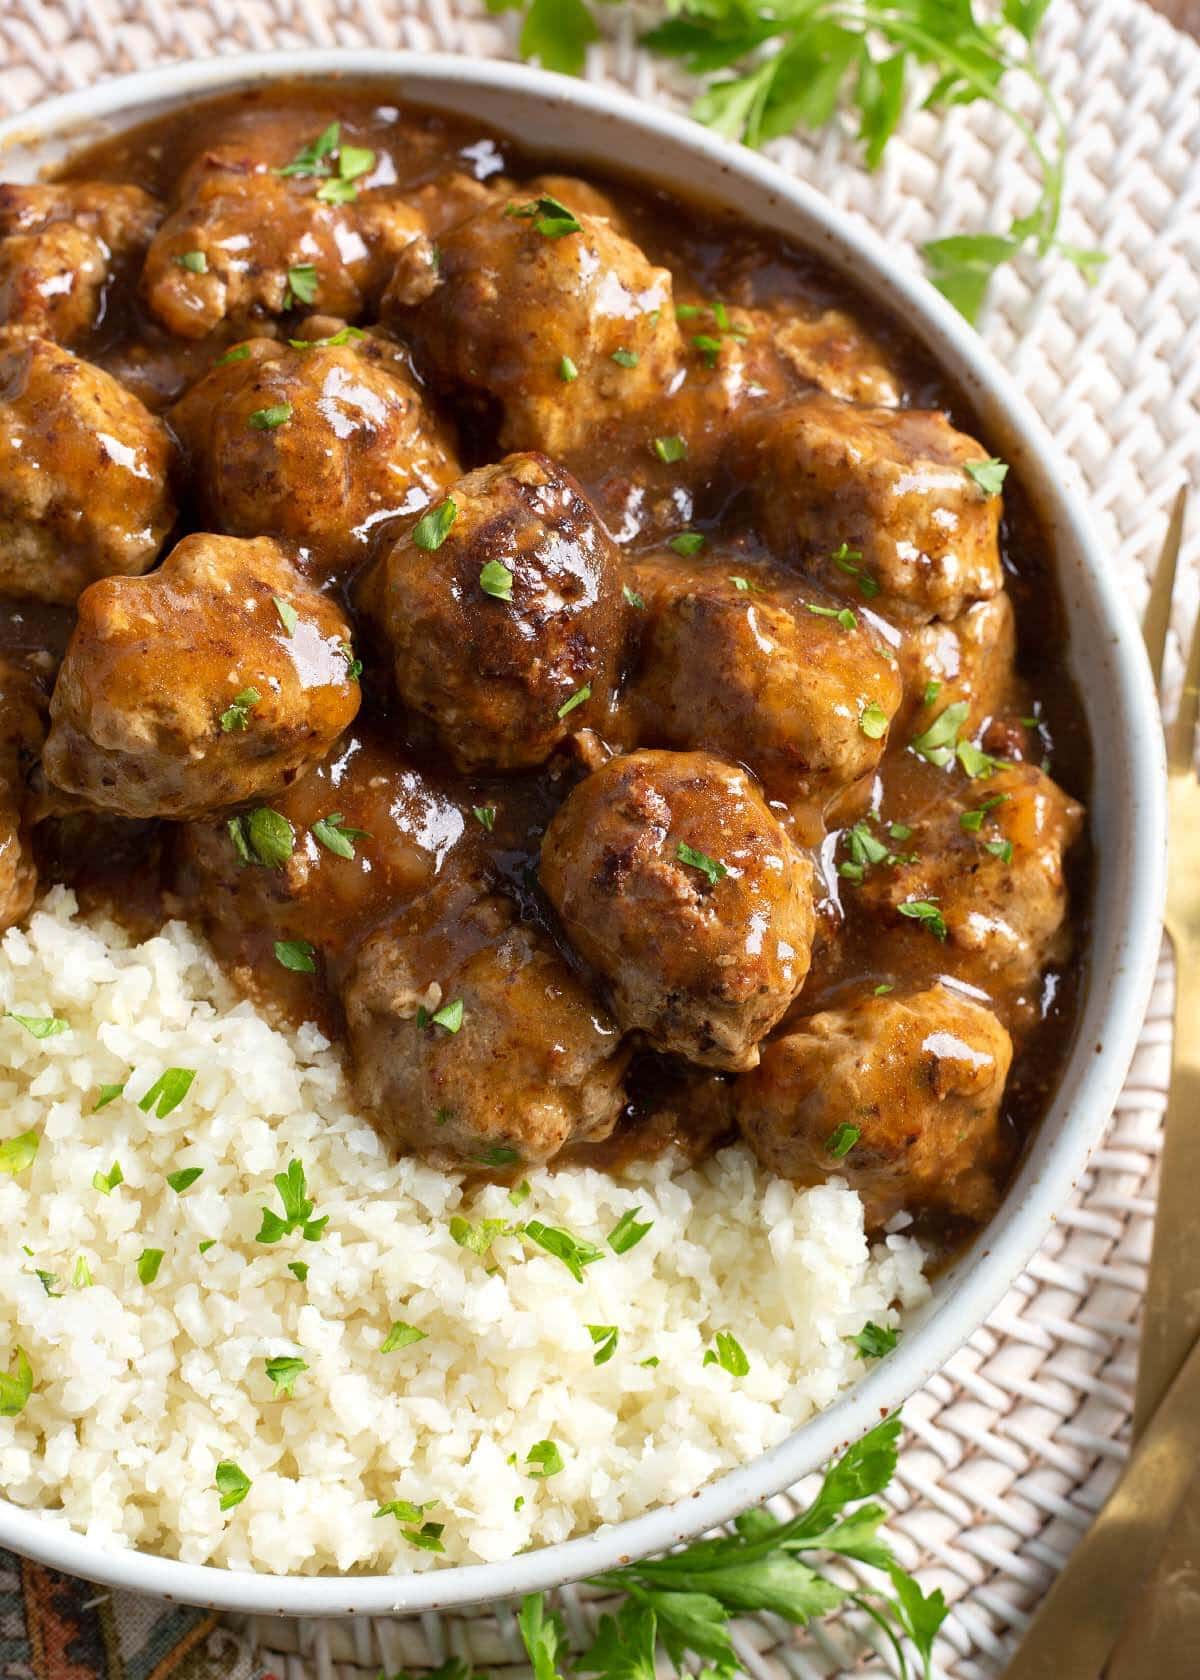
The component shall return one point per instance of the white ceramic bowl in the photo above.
(575, 120)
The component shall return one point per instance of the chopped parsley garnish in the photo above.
(849, 560)
(651, 1363)
(427, 1536)
(873, 721)
(18, 1153)
(670, 449)
(625, 358)
(577, 699)
(873, 1341)
(574, 1252)
(203, 1248)
(975, 761)
(708, 346)
(354, 667)
(937, 743)
(926, 912)
(477, 1239)
(710, 867)
(866, 851)
(605, 1336)
(496, 579)
(450, 1016)
(687, 543)
(40, 1026)
(107, 1182)
(499, 1155)
(432, 529)
(899, 831)
(353, 162)
(883, 988)
(744, 586)
(184, 1178)
(972, 821)
(636, 601)
(332, 833)
(567, 371)
(297, 1209)
(48, 1281)
(312, 159)
(550, 218)
(729, 1354)
(401, 1336)
(298, 1268)
(932, 689)
(485, 816)
(989, 474)
(194, 261)
(239, 353)
(843, 615)
(81, 1277)
(288, 616)
(1002, 849)
(344, 335)
(520, 1192)
(167, 1091)
(283, 1372)
(841, 1140)
(264, 836)
(266, 419)
(298, 955)
(627, 1233)
(545, 1458)
(16, 1386)
(236, 715)
(232, 1484)
(302, 285)
(149, 1260)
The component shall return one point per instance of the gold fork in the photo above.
(1108, 1575)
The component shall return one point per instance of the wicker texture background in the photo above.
(1015, 1444)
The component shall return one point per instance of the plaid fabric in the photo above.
(55, 1628)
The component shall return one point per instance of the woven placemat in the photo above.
(1015, 1444)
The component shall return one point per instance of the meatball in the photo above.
(471, 1039)
(831, 350)
(369, 832)
(246, 238)
(59, 246)
(22, 708)
(972, 658)
(556, 316)
(740, 660)
(987, 854)
(83, 474)
(898, 1095)
(502, 613)
(684, 892)
(351, 447)
(877, 502)
(221, 678)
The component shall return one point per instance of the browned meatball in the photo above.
(219, 679)
(899, 1095)
(504, 630)
(971, 658)
(471, 1039)
(22, 729)
(564, 329)
(59, 246)
(83, 474)
(877, 503)
(988, 856)
(688, 897)
(246, 239)
(318, 444)
(744, 661)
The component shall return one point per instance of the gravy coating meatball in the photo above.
(219, 679)
(970, 658)
(473, 1042)
(22, 729)
(501, 613)
(84, 489)
(319, 445)
(877, 503)
(59, 248)
(989, 855)
(739, 660)
(558, 318)
(255, 231)
(898, 1095)
(686, 895)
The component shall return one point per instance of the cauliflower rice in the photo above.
(141, 1388)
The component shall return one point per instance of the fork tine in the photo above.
(1158, 607)
(1181, 738)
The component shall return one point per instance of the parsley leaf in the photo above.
(107, 1094)
(605, 1337)
(297, 1209)
(574, 1252)
(283, 1372)
(18, 1153)
(550, 218)
(194, 261)
(16, 1386)
(39, 1026)
(636, 601)
(545, 1635)
(485, 816)
(567, 371)
(495, 579)
(687, 543)
(107, 1182)
(873, 721)
(873, 1342)
(926, 912)
(332, 833)
(546, 1459)
(937, 743)
(989, 474)
(311, 160)
(267, 419)
(167, 1091)
(232, 1484)
(450, 1016)
(149, 1260)
(670, 449)
(710, 867)
(432, 529)
(729, 1354)
(627, 1233)
(401, 1336)
(841, 1140)
(184, 1178)
(577, 699)
(298, 955)
(267, 835)
(302, 284)
(236, 715)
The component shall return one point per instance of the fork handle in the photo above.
(1171, 1313)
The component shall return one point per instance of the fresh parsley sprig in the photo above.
(770, 66)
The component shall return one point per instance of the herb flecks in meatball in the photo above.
(501, 612)
(83, 474)
(677, 884)
(219, 679)
(473, 1042)
(898, 1094)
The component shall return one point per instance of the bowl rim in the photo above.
(1126, 976)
